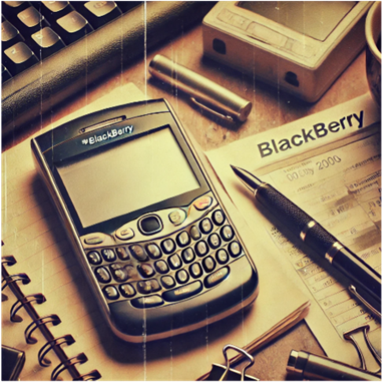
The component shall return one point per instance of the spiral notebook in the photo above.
(63, 333)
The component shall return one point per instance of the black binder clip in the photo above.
(226, 373)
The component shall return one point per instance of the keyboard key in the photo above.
(138, 252)
(218, 217)
(168, 246)
(18, 58)
(5, 75)
(147, 302)
(94, 258)
(209, 264)
(11, 8)
(99, 13)
(161, 266)
(9, 35)
(122, 253)
(188, 255)
(103, 275)
(201, 248)
(30, 21)
(182, 276)
(146, 270)
(195, 270)
(131, 271)
(153, 251)
(148, 286)
(195, 232)
(177, 216)
(227, 233)
(216, 277)
(214, 241)
(183, 239)
(206, 226)
(46, 42)
(111, 292)
(53, 10)
(222, 256)
(183, 292)
(203, 203)
(234, 249)
(174, 261)
(119, 273)
(72, 27)
(108, 255)
(168, 282)
(127, 290)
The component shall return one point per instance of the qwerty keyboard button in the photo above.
(227, 233)
(209, 264)
(222, 256)
(30, 21)
(214, 241)
(54, 10)
(161, 266)
(72, 27)
(195, 232)
(5, 75)
(183, 292)
(119, 273)
(9, 35)
(182, 276)
(94, 258)
(111, 292)
(100, 12)
(148, 286)
(131, 271)
(127, 290)
(146, 270)
(183, 239)
(201, 248)
(18, 57)
(216, 277)
(234, 249)
(188, 255)
(218, 217)
(147, 302)
(168, 246)
(153, 251)
(206, 226)
(108, 254)
(122, 253)
(138, 252)
(174, 261)
(168, 282)
(11, 8)
(46, 42)
(103, 275)
(195, 270)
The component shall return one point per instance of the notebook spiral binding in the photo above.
(55, 344)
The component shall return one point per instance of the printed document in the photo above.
(329, 164)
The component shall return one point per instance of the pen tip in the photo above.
(249, 180)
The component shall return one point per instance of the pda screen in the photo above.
(316, 19)
(128, 177)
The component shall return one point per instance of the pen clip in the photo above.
(353, 290)
(210, 110)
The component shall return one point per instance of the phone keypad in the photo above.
(160, 272)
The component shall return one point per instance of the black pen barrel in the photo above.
(319, 239)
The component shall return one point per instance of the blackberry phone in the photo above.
(155, 243)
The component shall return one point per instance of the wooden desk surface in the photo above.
(270, 109)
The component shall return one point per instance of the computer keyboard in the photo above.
(32, 31)
(53, 49)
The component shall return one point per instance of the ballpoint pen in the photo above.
(365, 281)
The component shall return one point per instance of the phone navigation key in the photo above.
(216, 277)
(184, 292)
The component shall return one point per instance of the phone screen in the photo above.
(127, 177)
(316, 19)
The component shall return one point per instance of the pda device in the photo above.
(155, 242)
